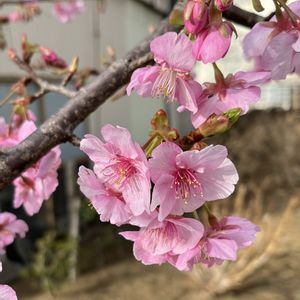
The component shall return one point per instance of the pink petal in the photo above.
(239, 98)
(175, 50)
(215, 45)
(164, 196)
(278, 56)
(186, 261)
(142, 81)
(121, 138)
(210, 157)
(163, 160)
(144, 219)
(111, 209)
(244, 235)
(206, 107)
(296, 45)
(18, 227)
(258, 38)
(146, 257)
(94, 148)
(253, 78)
(222, 249)
(189, 233)
(130, 235)
(7, 293)
(137, 194)
(186, 92)
(26, 129)
(50, 162)
(219, 183)
(89, 184)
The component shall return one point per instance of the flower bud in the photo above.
(51, 58)
(219, 124)
(214, 125)
(195, 16)
(223, 5)
(28, 49)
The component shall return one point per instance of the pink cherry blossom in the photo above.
(185, 180)
(51, 58)
(14, 134)
(65, 11)
(7, 293)
(235, 91)
(10, 227)
(195, 16)
(121, 164)
(171, 78)
(158, 242)
(220, 242)
(107, 202)
(213, 42)
(37, 183)
(275, 46)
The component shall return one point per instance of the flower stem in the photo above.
(295, 19)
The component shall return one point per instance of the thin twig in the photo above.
(44, 85)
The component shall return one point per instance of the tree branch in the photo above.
(45, 86)
(59, 127)
(242, 17)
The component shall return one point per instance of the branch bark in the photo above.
(242, 17)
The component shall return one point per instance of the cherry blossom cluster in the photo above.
(158, 186)
(38, 182)
(275, 45)
(64, 11)
(119, 187)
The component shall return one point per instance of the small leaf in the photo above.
(257, 5)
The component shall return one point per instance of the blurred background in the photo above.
(68, 253)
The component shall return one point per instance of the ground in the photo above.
(278, 279)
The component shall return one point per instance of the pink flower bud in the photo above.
(223, 5)
(51, 58)
(195, 16)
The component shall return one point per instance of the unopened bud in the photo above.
(51, 58)
(214, 125)
(195, 16)
(219, 124)
(28, 49)
(160, 120)
(223, 5)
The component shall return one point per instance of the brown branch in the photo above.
(59, 127)
(242, 17)
(74, 140)
(162, 7)
(45, 86)
(19, 2)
